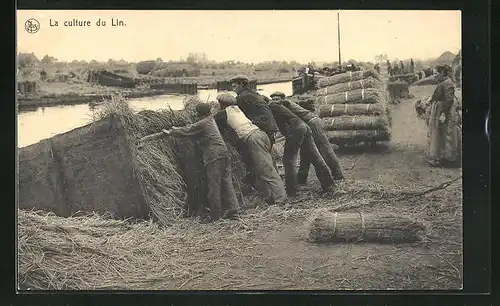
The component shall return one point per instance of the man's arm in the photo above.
(189, 130)
(221, 121)
(282, 111)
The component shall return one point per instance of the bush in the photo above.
(145, 67)
(26, 59)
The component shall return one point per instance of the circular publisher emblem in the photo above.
(32, 25)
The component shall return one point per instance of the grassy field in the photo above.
(265, 249)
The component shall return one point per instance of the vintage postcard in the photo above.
(246, 150)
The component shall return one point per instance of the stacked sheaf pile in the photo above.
(354, 106)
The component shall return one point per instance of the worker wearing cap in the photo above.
(221, 194)
(316, 124)
(402, 67)
(254, 107)
(298, 136)
(254, 141)
(444, 120)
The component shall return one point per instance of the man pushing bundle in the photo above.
(316, 125)
(216, 159)
(298, 136)
(256, 144)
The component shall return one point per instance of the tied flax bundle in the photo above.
(369, 82)
(358, 96)
(354, 136)
(326, 226)
(335, 110)
(356, 123)
(348, 77)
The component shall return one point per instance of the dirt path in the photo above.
(274, 257)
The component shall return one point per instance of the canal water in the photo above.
(45, 122)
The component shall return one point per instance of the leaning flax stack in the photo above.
(354, 107)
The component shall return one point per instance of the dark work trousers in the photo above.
(301, 139)
(221, 194)
(325, 148)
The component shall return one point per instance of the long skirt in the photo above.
(444, 139)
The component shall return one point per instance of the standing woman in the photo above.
(444, 130)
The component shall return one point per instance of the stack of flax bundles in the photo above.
(354, 106)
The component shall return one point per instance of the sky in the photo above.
(247, 36)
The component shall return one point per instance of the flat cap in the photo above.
(277, 94)
(226, 98)
(239, 78)
(443, 68)
(203, 108)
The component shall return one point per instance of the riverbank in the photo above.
(52, 94)
(25, 102)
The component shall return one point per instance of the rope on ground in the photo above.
(438, 187)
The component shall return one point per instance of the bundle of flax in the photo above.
(335, 110)
(157, 164)
(356, 123)
(355, 136)
(348, 77)
(343, 87)
(358, 96)
(326, 226)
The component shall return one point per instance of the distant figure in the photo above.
(395, 68)
(43, 75)
(412, 66)
(389, 68)
(377, 68)
(402, 67)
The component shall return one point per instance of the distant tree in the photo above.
(83, 63)
(381, 58)
(27, 59)
(145, 67)
(74, 63)
(196, 58)
(48, 59)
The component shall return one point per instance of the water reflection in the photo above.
(37, 123)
